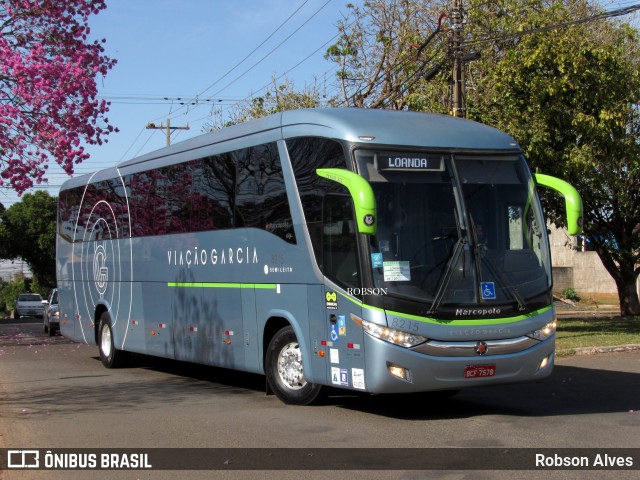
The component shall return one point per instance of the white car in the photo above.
(28, 305)
(51, 317)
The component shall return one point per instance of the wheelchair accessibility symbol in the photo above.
(488, 290)
(333, 333)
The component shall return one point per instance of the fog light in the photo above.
(546, 361)
(399, 372)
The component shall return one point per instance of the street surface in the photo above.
(56, 394)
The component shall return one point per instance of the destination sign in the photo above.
(409, 161)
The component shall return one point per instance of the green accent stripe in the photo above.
(435, 321)
(265, 286)
(455, 323)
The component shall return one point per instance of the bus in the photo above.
(370, 250)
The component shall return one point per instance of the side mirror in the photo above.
(364, 200)
(573, 202)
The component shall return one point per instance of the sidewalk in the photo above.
(566, 310)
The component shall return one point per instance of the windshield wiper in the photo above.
(482, 258)
(453, 257)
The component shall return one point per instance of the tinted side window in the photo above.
(173, 191)
(307, 155)
(261, 199)
(68, 205)
(339, 244)
(143, 202)
(241, 189)
(214, 193)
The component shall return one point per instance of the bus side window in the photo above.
(339, 241)
(307, 155)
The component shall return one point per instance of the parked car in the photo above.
(28, 305)
(51, 318)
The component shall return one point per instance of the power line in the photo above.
(163, 99)
(228, 72)
(404, 63)
(279, 77)
(273, 49)
(255, 49)
(599, 16)
(197, 101)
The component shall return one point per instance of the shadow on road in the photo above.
(570, 391)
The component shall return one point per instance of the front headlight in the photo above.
(391, 335)
(545, 332)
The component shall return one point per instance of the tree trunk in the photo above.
(628, 296)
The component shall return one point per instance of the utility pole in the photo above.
(168, 128)
(458, 109)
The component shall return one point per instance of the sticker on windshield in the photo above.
(376, 260)
(488, 290)
(397, 271)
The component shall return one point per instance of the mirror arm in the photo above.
(361, 192)
(573, 202)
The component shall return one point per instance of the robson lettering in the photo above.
(367, 291)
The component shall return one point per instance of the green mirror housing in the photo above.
(363, 199)
(573, 202)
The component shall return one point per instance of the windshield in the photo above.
(455, 230)
(29, 297)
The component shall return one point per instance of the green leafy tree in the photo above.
(28, 230)
(571, 97)
(559, 76)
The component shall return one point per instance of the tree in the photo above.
(572, 100)
(277, 98)
(386, 50)
(565, 86)
(48, 103)
(28, 230)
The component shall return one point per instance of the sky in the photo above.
(218, 51)
(182, 50)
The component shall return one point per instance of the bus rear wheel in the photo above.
(110, 356)
(285, 372)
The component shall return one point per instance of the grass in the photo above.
(596, 332)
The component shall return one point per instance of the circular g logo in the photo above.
(100, 270)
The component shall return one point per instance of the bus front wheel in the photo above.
(284, 370)
(110, 356)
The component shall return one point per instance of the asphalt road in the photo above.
(56, 394)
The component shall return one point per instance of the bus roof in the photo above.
(373, 126)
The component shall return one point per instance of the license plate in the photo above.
(479, 371)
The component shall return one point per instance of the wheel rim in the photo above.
(290, 366)
(105, 340)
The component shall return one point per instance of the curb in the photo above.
(597, 350)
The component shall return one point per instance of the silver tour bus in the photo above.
(375, 251)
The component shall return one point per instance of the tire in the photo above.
(110, 356)
(46, 328)
(52, 330)
(284, 370)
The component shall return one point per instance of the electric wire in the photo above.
(175, 114)
(599, 16)
(270, 52)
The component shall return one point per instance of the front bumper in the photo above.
(430, 372)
